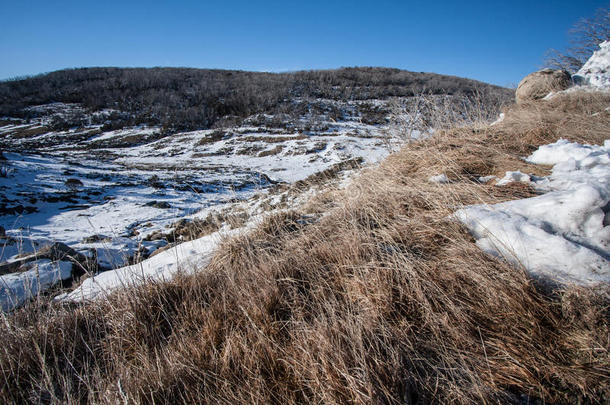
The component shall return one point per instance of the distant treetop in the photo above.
(585, 37)
(186, 98)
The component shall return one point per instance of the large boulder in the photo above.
(539, 84)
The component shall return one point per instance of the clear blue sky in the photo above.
(493, 41)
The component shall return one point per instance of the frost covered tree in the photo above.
(585, 36)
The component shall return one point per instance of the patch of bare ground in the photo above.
(274, 139)
(215, 136)
(381, 300)
(271, 152)
(28, 132)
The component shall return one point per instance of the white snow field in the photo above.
(107, 194)
(562, 235)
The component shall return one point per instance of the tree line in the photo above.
(187, 98)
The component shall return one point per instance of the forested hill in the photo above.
(185, 98)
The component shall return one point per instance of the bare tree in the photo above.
(585, 36)
(187, 99)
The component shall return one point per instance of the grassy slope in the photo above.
(380, 300)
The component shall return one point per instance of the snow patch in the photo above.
(486, 179)
(564, 150)
(186, 257)
(563, 235)
(17, 288)
(596, 72)
(439, 178)
(511, 177)
(499, 120)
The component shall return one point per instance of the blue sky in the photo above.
(497, 42)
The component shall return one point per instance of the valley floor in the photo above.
(119, 196)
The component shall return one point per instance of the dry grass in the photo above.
(29, 132)
(381, 300)
(271, 152)
(274, 138)
(577, 117)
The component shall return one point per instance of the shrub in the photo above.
(585, 37)
(73, 184)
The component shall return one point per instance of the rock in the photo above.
(162, 249)
(55, 252)
(96, 238)
(539, 84)
(73, 183)
(155, 235)
(158, 204)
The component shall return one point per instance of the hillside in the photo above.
(365, 294)
(189, 99)
(95, 159)
(466, 265)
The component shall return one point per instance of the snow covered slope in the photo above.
(105, 190)
(596, 72)
(113, 194)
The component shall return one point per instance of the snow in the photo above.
(562, 235)
(511, 177)
(485, 179)
(17, 288)
(561, 151)
(301, 155)
(186, 257)
(499, 120)
(124, 133)
(439, 178)
(575, 167)
(596, 71)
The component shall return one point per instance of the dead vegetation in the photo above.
(215, 136)
(29, 132)
(381, 300)
(272, 152)
(274, 139)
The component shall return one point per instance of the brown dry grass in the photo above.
(381, 300)
(28, 132)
